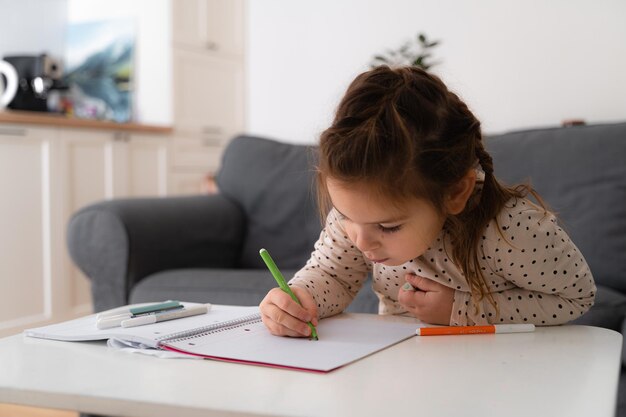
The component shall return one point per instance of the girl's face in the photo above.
(384, 232)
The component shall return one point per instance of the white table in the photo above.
(559, 371)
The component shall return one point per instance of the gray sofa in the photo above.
(205, 248)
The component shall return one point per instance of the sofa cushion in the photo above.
(608, 311)
(244, 287)
(623, 365)
(581, 174)
(621, 395)
(273, 183)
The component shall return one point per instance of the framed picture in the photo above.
(99, 69)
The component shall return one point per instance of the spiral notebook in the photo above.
(237, 334)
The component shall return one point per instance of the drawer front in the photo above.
(196, 154)
(191, 183)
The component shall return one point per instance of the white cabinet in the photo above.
(47, 174)
(103, 165)
(146, 165)
(193, 163)
(27, 244)
(209, 95)
(209, 88)
(210, 25)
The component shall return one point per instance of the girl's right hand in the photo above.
(284, 317)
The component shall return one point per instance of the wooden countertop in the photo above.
(57, 120)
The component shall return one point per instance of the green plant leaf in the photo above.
(411, 53)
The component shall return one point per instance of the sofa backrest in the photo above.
(581, 174)
(579, 171)
(273, 183)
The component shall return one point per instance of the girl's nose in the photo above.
(366, 242)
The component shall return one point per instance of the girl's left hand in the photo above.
(427, 300)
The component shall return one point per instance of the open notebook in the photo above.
(236, 334)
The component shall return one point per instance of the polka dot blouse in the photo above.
(533, 270)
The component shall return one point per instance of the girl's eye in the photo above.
(389, 229)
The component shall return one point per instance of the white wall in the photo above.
(153, 87)
(517, 63)
(32, 27)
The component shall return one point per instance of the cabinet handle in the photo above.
(13, 132)
(212, 130)
(121, 137)
(210, 142)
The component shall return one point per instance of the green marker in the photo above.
(283, 285)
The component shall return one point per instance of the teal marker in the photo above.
(154, 308)
(278, 276)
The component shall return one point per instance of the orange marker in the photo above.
(492, 328)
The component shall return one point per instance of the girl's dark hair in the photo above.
(406, 135)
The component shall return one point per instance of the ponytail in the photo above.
(467, 228)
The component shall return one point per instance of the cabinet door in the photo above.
(46, 175)
(224, 27)
(189, 182)
(88, 176)
(195, 154)
(193, 163)
(146, 165)
(98, 166)
(27, 245)
(209, 25)
(105, 165)
(208, 96)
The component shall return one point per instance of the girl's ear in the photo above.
(460, 192)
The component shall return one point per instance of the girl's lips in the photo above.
(379, 261)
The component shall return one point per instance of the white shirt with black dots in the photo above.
(534, 272)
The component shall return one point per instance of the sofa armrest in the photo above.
(119, 242)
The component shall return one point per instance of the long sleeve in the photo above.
(546, 279)
(335, 272)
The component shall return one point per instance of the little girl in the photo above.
(411, 197)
